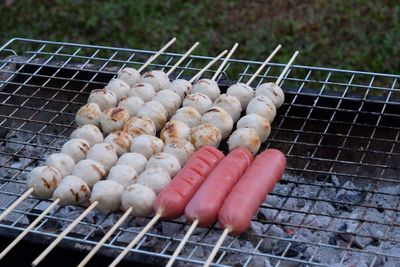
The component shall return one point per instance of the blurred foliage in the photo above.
(351, 34)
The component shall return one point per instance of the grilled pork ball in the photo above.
(108, 194)
(259, 123)
(242, 92)
(181, 87)
(131, 104)
(262, 106)
(121, 141)
(155, 178)
(175, 129)
(208, 87)
(88, 132)
(157, 78)
(77, 149)
(188, 115)
(156, 112)
(134, 160)
(180, 148)
(140, 198)
(205, 135)
(144, 91)
(230, 104)
(44, 181)
(198, 101)
(171, 101)
(103, 98)
(245, 138)
(147, 145)
(139, 125)
(64, 163)
(273, 92)
(220, 119)
(88, 114)
(113, 119)
(89, 171)
(129, 75)
(123, 174)
(72, 191)
(119, 87)
(103, 153)
(166, 161)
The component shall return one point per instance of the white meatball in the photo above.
(103, 153)
(119, 87)
(155, 178)
(242, 92)
(205, 135)
(180, 148)
(188, 115)
(123, 174)
(166, 161)
(134, 160)
(129, 75)
(170, 100)
(144, 91)
(103, 98)
(181, 87)
(89, 171)
(259, 123)
(230, 104)
(147, 145)
(44, 180)
(156, 112)
(88, 132)
(64, 163)
(72, 191)
(108, 194)
(175, 129)
(140, 198)
(245, 138)
(77, 149)
(273, 91)
(157, 78)
(113, 119)
(220, 119)
(198, 101)
(208, 87)
(131, 104)
(88, 114)
(121, 141)
(139, 125)
(262, 106)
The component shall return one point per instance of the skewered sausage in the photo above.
(88, 114)
(103, 98)
(188, 115)
(72, 191)
(113, 119)
(121, 141)
(129, 75)
(77, 149)
(103, 153)
(135, 160)
(119, 87)
(89, 171)
(108, 193)
(89, 132)
(132, 104)
(155, 178)
(62, 162)
(144, 91)
(43, 180)
(208, 87)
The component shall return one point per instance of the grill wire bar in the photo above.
(337, 203)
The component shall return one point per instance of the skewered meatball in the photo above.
(157, 78)
(242, 92)
(147, 145)
(131, 104)
(72, 191)
(175, 129)
(140, 198)
(230, 104)
(155, 178)
(134, 160)
(144, 91)
(89, 171)
(273, 91)
(113, 119)
(166, 161)
(262, 106)
(44, 181)
(259, 123)
(123, 174)
(156, 112)
(119, 87)
(208, 87)
(62, 162)
(129, 75)
(181, 87)
(245, 138)
(108, 194)
(220, 119)
(205, 135)
(139, 125)
(121, 141)
(88, 114)
(188, 115)
(180, 148)
(171, 101)
(77, 149)
(88, 132)
(198, 101)
(103, 98)
(104, 154)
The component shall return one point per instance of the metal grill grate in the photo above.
(339, 129)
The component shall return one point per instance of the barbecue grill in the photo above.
(338, 203)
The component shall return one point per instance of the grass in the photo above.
(354, 34)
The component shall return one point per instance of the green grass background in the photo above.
(353, 34)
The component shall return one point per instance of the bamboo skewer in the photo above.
(217, 247)
(225, 61)
(153, 57)
(283, 73)
(182, 58)
(16, 203)
(207, 66)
